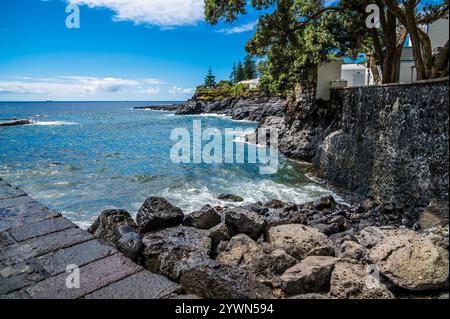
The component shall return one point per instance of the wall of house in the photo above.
(438, 32)
(352, 72)
(391, 143)
(327, 73)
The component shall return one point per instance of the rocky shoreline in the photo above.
(14, 122)
(316, 250)
(373, 249)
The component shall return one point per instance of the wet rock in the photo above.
(323, 203)
(158, 213)
(230, 198)
(206, 218)
(217, 281)
(106, 226)
(353, 281)
(327, 229)
(242, 221)
(16, 123)
(174, 250)
(312, 274)
(130, 242)
(275, 203)
(411, 261)
(300, 241)
(219, 237)
(116, 228)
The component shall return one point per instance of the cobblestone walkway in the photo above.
(37, 244)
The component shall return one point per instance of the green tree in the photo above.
(249, 67)
(240, 73)
(233, 74)
(297, 35)
(210, 79)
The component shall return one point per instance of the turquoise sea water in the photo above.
(80, 158)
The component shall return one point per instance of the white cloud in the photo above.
(178, 90)
(73, 86)
(161, 13)
(239, 29)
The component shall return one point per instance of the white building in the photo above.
(356, 74)
(438, 32)
(251, 84)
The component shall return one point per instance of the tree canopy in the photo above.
(210, 79)
(297, 35)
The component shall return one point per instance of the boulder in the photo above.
(411, 261)
(240, 249)
(218, 234)
(245, 253)
(218, 281)
(312, 274)
(206, 218)
(327, 229)
(323, 203)
(272, 265)
(351, 250)
(130, 242)
(106, 226)
(171, 251)
(370, 236)
(355, 281)
(158, 213)
(433, 216)
(439, 236)
(242, 221)
(300, 241)
(230, 198)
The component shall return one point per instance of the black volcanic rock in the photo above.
(158, 213)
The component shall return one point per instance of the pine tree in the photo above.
(249, 68)
(210, 79)
(240, 74)
(233, 74)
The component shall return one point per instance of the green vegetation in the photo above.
(297, 35)
(210, 79)
(222, 90)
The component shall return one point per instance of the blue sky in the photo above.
(123, 50)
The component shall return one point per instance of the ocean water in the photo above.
(80, 158)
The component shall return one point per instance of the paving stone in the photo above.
(3, 183)
(20, 276)
(143, 285)
(79, 255)
(7, 192)
(24, 214)
(16, 201)
(16, 295)
(48, 226)
(93, 276)
(55, 241)
(5, 239)
(15, 254)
